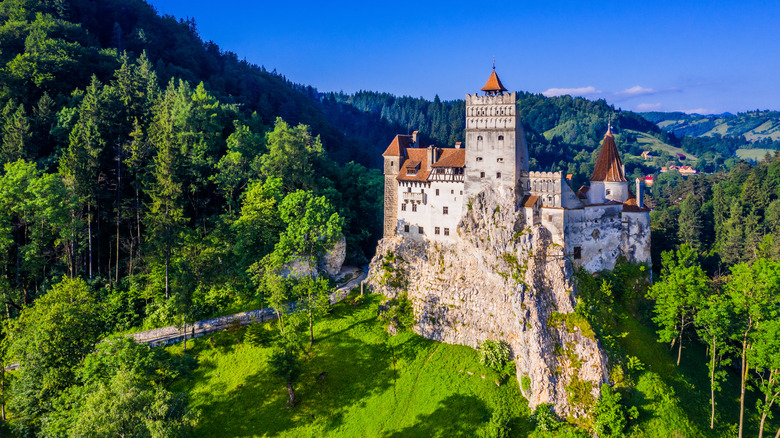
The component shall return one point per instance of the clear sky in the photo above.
(694, 56)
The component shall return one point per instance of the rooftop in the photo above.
(493, 84)
(608, 167)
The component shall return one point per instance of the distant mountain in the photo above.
(753, 125)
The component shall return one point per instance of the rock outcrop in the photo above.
(331, 262)
(500, 281)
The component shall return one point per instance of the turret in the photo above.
(394, 157)
(608, 182)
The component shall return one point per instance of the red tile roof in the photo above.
(493, 83)
(419, 156)
(608, 167)
(398, 145)
(582, 193)
(450, 158)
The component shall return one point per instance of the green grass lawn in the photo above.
(376, 385)
(406, 385)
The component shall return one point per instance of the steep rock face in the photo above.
(501, 281)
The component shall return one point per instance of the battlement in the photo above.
(549, 175)
(496, 99)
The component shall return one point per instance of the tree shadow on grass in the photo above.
(456, 416)
(355, 370)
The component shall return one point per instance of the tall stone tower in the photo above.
(496, 151)
(394, 157)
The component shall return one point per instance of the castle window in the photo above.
(479, 158)
(499, 160)
(445, 210)
(392, 164)
(479, 137)
(549, 218)
(452, 192)
(500, 137)
(436, 230)
(414, 207)
(403, 206)
(609, 191)
(409, 190)
(419, 230)
(461, 192)
(498, 175)
(577, 252)
(481, 174)
(422, 190)
(446, 231)
(406, 228)
(437, 192)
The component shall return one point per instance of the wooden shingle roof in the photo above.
(608, 167)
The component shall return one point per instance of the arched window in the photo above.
(500, 137)
(479, 137)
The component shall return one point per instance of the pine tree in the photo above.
(15, 133)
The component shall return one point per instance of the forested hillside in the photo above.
(148, 178)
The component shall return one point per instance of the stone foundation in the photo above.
(500, 281)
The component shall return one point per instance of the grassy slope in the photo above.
(406, 385)
(754, 154)
(377, 385)
(647, 141)
(691, 385)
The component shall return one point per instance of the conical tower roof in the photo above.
(493, 84)
(608, 167)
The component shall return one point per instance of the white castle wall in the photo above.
(636, 237)
(597, 231)
(430, 209)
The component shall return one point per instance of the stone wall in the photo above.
(500, 281)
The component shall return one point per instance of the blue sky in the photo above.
(693, 56)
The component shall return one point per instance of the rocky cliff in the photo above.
(501, 281)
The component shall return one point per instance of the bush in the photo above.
(499, 425)
(609, 415)
(399, 312)
(544, 418)
(494, 354)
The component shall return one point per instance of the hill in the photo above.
(753, 125)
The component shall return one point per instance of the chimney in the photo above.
(431, 156)
(415, 140)
(640, 192)
(457, 145)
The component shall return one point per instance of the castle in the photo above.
(428, 188)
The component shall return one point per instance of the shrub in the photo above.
(399, 312)
(494, 354)
(500, 423)
(609, 415)
(525, 383)
(544, 418)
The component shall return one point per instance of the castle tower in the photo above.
(394, 157)
(496, 151)
(608, 182)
